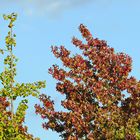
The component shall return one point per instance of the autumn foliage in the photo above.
(95, 85)
(12, 120)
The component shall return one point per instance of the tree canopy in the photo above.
(95, 86)
(11, 120)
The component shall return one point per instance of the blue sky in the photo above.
(42, 23)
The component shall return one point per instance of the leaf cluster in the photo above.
(94, 88)
(12, 121)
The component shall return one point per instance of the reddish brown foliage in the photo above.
(95, 100)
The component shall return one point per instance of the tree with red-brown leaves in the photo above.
(95, 87)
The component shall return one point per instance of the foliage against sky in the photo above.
(98, 108)
(115, 21)
(11, 121)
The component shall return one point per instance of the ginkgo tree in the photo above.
(12, 120)
(94, 85)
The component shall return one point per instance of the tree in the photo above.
(11, 120)
(94, 87)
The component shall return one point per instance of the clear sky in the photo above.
(42, 23)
